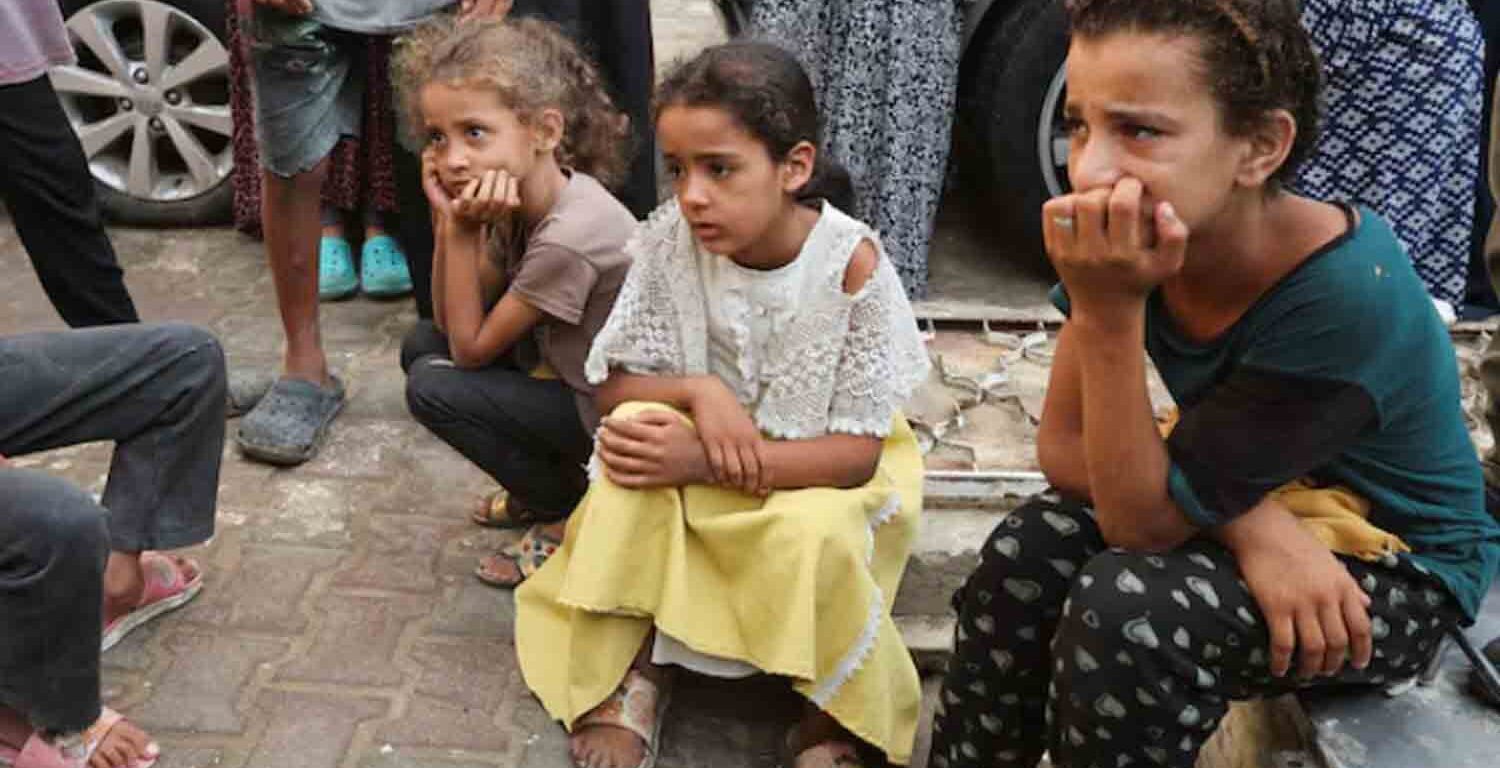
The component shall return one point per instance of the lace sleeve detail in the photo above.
(643, 332)
(884, 359)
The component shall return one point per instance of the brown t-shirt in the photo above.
(571, 268)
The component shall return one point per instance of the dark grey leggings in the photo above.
(524, 432)
(1109, 658)
(157, 392)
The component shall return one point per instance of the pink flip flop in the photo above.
(39, 753)
(166, 590)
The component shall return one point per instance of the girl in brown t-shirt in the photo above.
(519, 139)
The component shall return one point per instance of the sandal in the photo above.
(38, 752)
(288, 424)
(167, 589)
(383, 271)
(246, 388)
(626, 708)
(336, 278)
(501, 510)
(528, 555)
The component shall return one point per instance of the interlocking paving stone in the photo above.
(264, 594)
(399, 554)
(354, 640)
(200, 688)
(309, 730)
(460, 693)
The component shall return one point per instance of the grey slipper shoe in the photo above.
(288, 424)
(246, 388)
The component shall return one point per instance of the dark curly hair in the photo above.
(531, 65)
(768, 93)
(1256, 56)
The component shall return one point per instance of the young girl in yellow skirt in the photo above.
(757, 488)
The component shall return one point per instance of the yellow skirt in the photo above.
(798, 584)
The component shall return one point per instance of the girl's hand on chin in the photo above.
(489, 199)
(1102, 244)
(438, 197)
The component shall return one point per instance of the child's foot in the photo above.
(516, 563)
(820, 742)
(625, 730)
(161, 583)
(111, 742)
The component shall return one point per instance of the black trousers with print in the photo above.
(1111, 658)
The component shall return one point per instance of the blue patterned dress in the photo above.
(887, 78)
(1404, 98)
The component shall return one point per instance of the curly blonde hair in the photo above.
(531, 65)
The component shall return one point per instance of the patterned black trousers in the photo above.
(1110, 658)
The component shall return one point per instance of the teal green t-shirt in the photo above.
(1342, 372)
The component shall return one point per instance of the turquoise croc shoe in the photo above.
(382, 271)
(336, 278)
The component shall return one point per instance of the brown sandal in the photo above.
(528, 555)
(500, 510)
(637, 706)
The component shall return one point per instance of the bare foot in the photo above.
(121, 746)
(820, 742)
(606, 746)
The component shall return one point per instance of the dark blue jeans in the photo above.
(157, 392)
(524, 432)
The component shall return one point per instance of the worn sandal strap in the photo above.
(533, 551)
(632, 707)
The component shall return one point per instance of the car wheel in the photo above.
(1010, 121)
(149, 100)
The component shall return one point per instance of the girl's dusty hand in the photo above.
(1313, 608)
(1109, 252)
(655, 449)
(490, 198)
(480, 9)
(735, 448)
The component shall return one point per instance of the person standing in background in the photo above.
(47, 185)
(887, 80)
(1404, 97)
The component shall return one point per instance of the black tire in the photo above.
(216, 205)
(1009, 71)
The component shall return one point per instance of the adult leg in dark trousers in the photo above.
(156, 392)
(67, 566)
(50, 194)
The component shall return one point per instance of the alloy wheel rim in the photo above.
(149, 99)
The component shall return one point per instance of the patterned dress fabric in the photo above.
(1404, 98)
(886, 72)
(1106, 657)
(360, 175)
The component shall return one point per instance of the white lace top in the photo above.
(804, 357)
